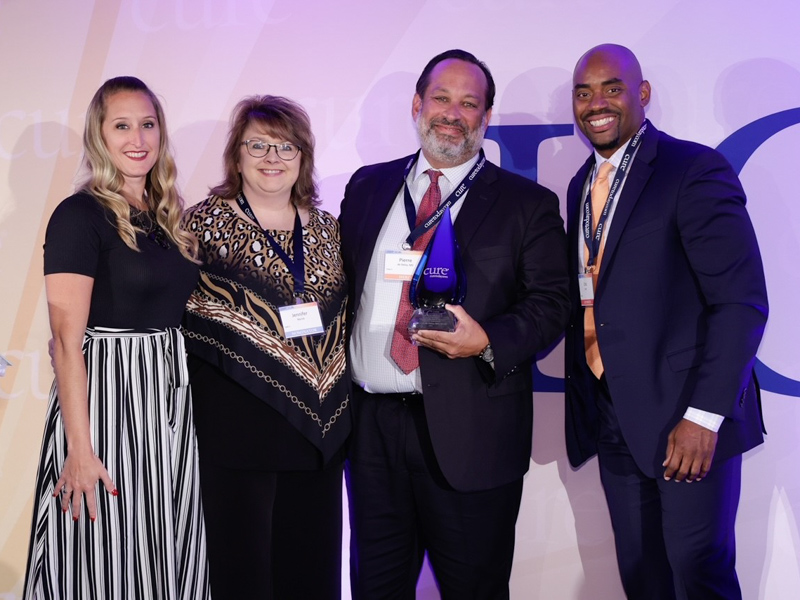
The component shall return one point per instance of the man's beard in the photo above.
(446, 150)
(612, 145)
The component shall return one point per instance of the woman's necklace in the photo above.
(146, 221)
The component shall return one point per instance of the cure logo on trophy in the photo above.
(438, 280)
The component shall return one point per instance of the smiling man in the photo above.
(668, 309)
(442, 432)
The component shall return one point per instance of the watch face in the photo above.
(488, 354)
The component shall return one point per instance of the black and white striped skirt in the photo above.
(148, 541)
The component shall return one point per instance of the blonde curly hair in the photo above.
(105, 182)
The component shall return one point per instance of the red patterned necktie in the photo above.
(599, 197)
(403, 352)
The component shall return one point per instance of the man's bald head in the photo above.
(609, 96)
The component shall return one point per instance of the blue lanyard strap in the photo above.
(297, 266)
(411, 212)
(593, 240)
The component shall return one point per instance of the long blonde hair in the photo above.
(105, 182)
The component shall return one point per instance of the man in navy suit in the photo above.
(668, 309)
(442, 432)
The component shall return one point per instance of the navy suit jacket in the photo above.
(512, 244)
(680, 305)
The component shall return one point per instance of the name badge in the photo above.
(586, 288)
(400, 266)
(301, 319)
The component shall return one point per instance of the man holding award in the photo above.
(444, 415)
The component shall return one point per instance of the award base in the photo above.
(437, 318)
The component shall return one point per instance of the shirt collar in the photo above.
(615, 158)
(452, 174)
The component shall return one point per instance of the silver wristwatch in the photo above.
(487, 354)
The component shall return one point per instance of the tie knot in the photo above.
(604, 170)
(434, 175)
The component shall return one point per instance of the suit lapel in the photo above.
(574, 212)
(634, 184)
(377, 209)
(477, 204)
(575, 196)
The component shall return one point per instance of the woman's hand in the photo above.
(68, 300)
(82, 470)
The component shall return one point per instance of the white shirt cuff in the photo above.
(703, 418)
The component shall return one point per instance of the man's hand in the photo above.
(468, 339)
(690, 450)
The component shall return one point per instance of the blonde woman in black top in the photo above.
(117, 511)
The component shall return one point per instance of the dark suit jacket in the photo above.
(512, 244)
(680, 305)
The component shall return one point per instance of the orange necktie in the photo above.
(403, 351)
(599, 197)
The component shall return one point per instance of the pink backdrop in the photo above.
(715, 66)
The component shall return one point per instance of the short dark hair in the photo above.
(281, 118)
(425, 77)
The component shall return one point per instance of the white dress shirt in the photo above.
(371, 340)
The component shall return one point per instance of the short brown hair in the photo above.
(425, 76)
(281, 118)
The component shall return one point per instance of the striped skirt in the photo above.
(148, 542)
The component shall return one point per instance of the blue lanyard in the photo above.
(297, 266)
(593, 241)
(411, 212)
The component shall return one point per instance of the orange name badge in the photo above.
(400, 265)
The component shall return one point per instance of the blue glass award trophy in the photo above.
(438, 280)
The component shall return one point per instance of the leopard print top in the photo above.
(233, 321)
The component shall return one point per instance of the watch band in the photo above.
(487, 354)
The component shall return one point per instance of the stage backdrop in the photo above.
(724, 72)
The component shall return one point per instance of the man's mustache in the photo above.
(448, 123)
(597, 113)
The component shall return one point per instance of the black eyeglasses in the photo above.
(259, 149)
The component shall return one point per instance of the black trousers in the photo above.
(272, 535)
(273, 523)
(401, 506)
(673, 539)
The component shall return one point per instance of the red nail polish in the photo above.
(115, 492)
(74, 518)
(93, 519)
(63, 509)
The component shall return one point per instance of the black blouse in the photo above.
(132, 290)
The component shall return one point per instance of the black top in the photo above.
(132, 290)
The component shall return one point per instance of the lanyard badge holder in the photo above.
(301, 318)
(593, 239)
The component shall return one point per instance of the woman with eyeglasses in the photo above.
(265, 330)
